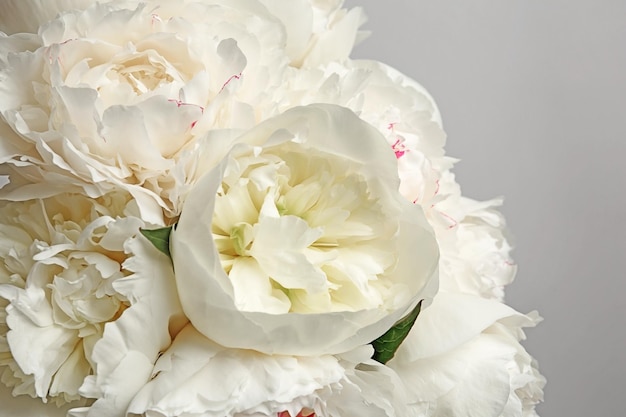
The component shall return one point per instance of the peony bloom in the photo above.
(299, 242)
(196, 377)
(61, 259)
(69, 282)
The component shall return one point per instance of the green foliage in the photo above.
(385, 346)
(160, 238)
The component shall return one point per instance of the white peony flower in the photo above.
(463, 358)
(61, 259)
(111, 96)
(299, 242)
(86, 303)
(197, 377)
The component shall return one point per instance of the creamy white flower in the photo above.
(463, 357)
(89, 308)
(299, 242)
(197, 377)
(110, 96)
(61, 259)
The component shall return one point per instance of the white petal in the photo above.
(451, 320)
(297, 17)
(289, 236)
(198, 377)
(463, 357)
(39, 351)
(129, 347)
(336, 43)
(253, 290)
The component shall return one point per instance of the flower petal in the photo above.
(198, 377)
(129, 347)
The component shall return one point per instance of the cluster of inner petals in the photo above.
(316, 212)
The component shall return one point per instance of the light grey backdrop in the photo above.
(533, 97)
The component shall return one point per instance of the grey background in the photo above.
(533, 97)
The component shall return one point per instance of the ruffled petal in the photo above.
(125, 356)
(197, 377)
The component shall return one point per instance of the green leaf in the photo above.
(387, 344)
(160, 238)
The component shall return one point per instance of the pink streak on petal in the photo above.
(454, 222)
(234, 77)
(303, 413)
(399, 148)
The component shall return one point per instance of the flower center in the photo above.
(83, 297)
(300, 233)
(144, 72)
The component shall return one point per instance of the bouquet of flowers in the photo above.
(208, 209)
